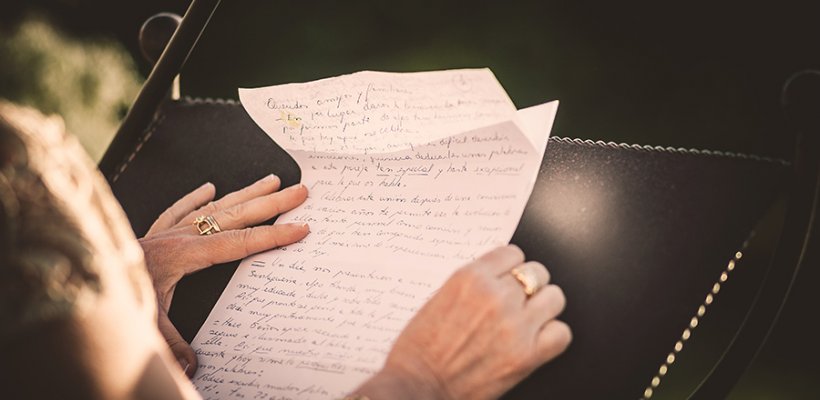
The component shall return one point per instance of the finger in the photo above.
(261, 209)
(500, 260)
(515, 289)
(552, 340)
(545, 305)
(266, 185)
(540, 271)
(232, 245)
(183, 207)
(183, 352)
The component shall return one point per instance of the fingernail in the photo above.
(183, 363)
(296, 186)
(269, 178)
(205, 184)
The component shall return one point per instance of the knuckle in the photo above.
(495, 307)
(482, 283)
(243, 239)
(464, 275)
(244, 193)
(166, 245)
(251, 189)
(235, 213)
(515, 251)
(538, 265)
(278, 235)
(209, 208)
(539, 269)
(505, 256)
(457, 283)
(492, 311)
(494, 255)
(274, 239)
(508, 330)
(276, 206)
(169, 214)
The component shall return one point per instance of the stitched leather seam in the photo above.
(144, 139)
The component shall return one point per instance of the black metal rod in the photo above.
(158, 84)
(801, 102)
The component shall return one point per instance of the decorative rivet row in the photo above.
(693, 323)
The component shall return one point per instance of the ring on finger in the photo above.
(206, 225)
(531, 276)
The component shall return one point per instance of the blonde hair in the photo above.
(60, 227)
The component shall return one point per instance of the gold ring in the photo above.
(532, 277)
(206, 225)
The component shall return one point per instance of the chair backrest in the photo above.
(637, 236)
(644, 240)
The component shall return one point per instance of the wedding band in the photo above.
(206, 225)
(532, 277)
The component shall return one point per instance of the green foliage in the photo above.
(90, 83)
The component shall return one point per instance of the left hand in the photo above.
(174, 248)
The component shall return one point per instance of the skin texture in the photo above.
(174, 248)
(78, 307)
(476, 338)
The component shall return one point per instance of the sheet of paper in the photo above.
(378, 112)
(436, 171)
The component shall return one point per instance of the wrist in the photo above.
(399, 384)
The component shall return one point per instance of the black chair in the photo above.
(675, 262)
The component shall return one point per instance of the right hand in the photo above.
(476, 338)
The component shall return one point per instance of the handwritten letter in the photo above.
(410, 177)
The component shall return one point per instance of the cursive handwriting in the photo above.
(409, 178)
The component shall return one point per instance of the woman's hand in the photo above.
(174, 248)
(476, 338)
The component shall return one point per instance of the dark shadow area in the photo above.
(694, 75)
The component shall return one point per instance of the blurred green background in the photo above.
(683, 74)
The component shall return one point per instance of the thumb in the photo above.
(182, 350)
